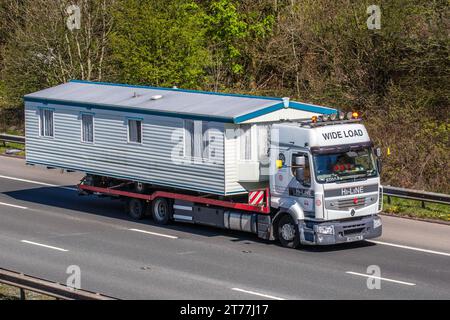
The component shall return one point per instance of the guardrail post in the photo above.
(423, 204)
(22, 295)
(389, 199)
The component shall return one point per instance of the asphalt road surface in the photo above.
(45, 227)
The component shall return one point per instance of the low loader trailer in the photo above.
(283, 170)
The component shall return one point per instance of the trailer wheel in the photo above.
(287, 232)
(161, 211)
(136, 208)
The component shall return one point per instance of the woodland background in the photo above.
(316, 51)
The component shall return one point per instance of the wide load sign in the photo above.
(340, 134)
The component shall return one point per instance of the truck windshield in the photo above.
(342, 166)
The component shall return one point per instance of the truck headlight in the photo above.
(376, 223)
(325, 229)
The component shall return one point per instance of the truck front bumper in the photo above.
(334, 232)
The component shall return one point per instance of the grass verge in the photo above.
(9, 145)
(12, 293)
(413, 209)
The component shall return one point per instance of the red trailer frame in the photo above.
(264, 209)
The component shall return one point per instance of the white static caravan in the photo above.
(206, 142)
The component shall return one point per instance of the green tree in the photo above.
(41, 51)
(232, 26)
(160, 43)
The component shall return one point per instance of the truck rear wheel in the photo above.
(136, 208)
(288, 232)
(161, 210)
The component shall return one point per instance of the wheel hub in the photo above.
(136, 208)
(288, 232)
(161, 212)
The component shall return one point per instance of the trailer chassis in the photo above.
(196, 209)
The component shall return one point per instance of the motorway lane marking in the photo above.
(154, 233)
(385, 279)
(12, 205)
(410, 248)
(38, 182)
(44, 245)
(258, 294)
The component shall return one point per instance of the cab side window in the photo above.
(306, 167)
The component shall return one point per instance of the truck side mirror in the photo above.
(300, 161)
(378, 152)
(300, 175)
(379, 165)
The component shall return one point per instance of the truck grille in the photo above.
(354, 229)
(349, 203)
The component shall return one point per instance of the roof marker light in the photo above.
(333, 116)
(349, 115)
(314, 119)
(355, 115)
(341, 116)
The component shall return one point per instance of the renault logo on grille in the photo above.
(352, 212)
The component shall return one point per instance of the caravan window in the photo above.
(87, 128)
(196, 139)
(245, 137)
(134, 131)
(46, 122)
(263, 141)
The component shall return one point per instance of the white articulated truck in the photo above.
(286, 170)
(328, 182)
(323, 188)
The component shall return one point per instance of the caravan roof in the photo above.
(213, 106)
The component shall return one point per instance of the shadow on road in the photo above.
(96, 206)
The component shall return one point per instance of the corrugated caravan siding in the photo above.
(232, 186)
(157, 160)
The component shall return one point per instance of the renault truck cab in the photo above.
(325, 182)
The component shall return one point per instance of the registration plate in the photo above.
(354, 238)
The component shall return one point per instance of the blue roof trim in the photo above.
(258, 113)
(279, 106)
(129, 109)
(178, 90)
(311, 108)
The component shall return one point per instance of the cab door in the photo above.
(301, 188)
(280, 178)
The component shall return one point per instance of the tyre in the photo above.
(136, 208)
(161, 210)
(288, 233)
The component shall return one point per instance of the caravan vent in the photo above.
(156, 97)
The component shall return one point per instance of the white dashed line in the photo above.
(385, 279)
(12, 205)
(38, 183)
(154, 233)
(258, 294)
(410, 248)
(44, 245)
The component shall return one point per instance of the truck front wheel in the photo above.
(161, 210)
(288, 232)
